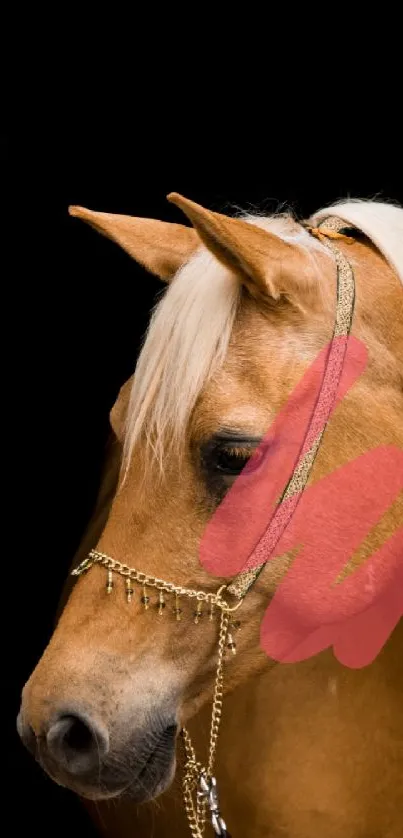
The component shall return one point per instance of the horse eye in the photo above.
(227, 459)
(231, 461)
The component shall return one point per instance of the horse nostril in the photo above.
(77, 744)
(78, 737)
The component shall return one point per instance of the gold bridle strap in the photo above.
(327, 231)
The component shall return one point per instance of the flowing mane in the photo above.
(190, 328)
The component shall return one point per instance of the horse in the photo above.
(305, 748)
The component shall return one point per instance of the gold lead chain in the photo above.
(196, 807)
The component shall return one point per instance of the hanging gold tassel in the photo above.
(177, 609)
(161, 604)
(145, 599)
(109, 582)
(129, 590)
(231, 643)
(211, 611)
(198, 613)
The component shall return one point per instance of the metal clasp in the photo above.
(223, 604)
(208, 791)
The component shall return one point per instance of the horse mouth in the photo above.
(157, 771)
(138, 778)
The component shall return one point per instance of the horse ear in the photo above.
(161, 248)
(266, 263)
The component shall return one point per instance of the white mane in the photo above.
(190, 329)
(382, 223)
(187, 340)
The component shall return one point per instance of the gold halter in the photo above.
(199, 784)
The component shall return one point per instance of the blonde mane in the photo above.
(190, 328)
(186, 341)
(381, 223)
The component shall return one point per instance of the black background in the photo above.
(76, 309)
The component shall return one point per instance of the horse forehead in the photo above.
(261, 348)
(246, 392)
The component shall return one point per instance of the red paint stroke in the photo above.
(308, 612)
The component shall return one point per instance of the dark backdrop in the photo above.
(75, 320)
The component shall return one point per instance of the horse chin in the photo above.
(151, 787)
(152, 781)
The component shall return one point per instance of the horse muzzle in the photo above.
(78, 752)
